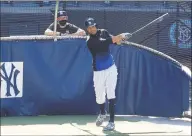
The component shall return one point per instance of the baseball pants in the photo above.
(105, 84)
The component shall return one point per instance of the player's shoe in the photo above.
(100, 119)
(110, 126)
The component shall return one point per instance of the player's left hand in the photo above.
(119, 39)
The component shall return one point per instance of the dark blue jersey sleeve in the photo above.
(105, 34)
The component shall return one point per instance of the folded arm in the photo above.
(49, 32)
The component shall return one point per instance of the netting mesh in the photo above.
(172, 36)
(33, 17)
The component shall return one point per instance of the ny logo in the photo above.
(184, 34)
(11, 74)
(61, 13)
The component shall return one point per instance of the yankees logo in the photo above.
(11, 79)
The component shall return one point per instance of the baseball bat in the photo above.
(55, 21)
(157, 20)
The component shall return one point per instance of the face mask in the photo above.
(62, 22)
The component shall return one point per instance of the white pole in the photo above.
(55, 21)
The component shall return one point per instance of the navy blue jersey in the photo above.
(98, 45)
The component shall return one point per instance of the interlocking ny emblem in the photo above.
(11, 79)
(184, 34)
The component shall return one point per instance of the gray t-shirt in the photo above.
(68, 29)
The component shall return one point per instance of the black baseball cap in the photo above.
(61, 13)
(90, 22)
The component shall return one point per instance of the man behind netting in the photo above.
(64, 27)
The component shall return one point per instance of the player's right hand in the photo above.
(117, 39)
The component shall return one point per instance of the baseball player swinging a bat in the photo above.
(105, 70)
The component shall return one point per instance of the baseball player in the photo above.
(105, 70)
(64, 27)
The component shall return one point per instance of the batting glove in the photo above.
(126, 36)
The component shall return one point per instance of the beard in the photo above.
(91, 34)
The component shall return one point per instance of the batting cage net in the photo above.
(172, 36)
(169, 37)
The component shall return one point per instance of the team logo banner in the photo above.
(184, 34)
(11, 79)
